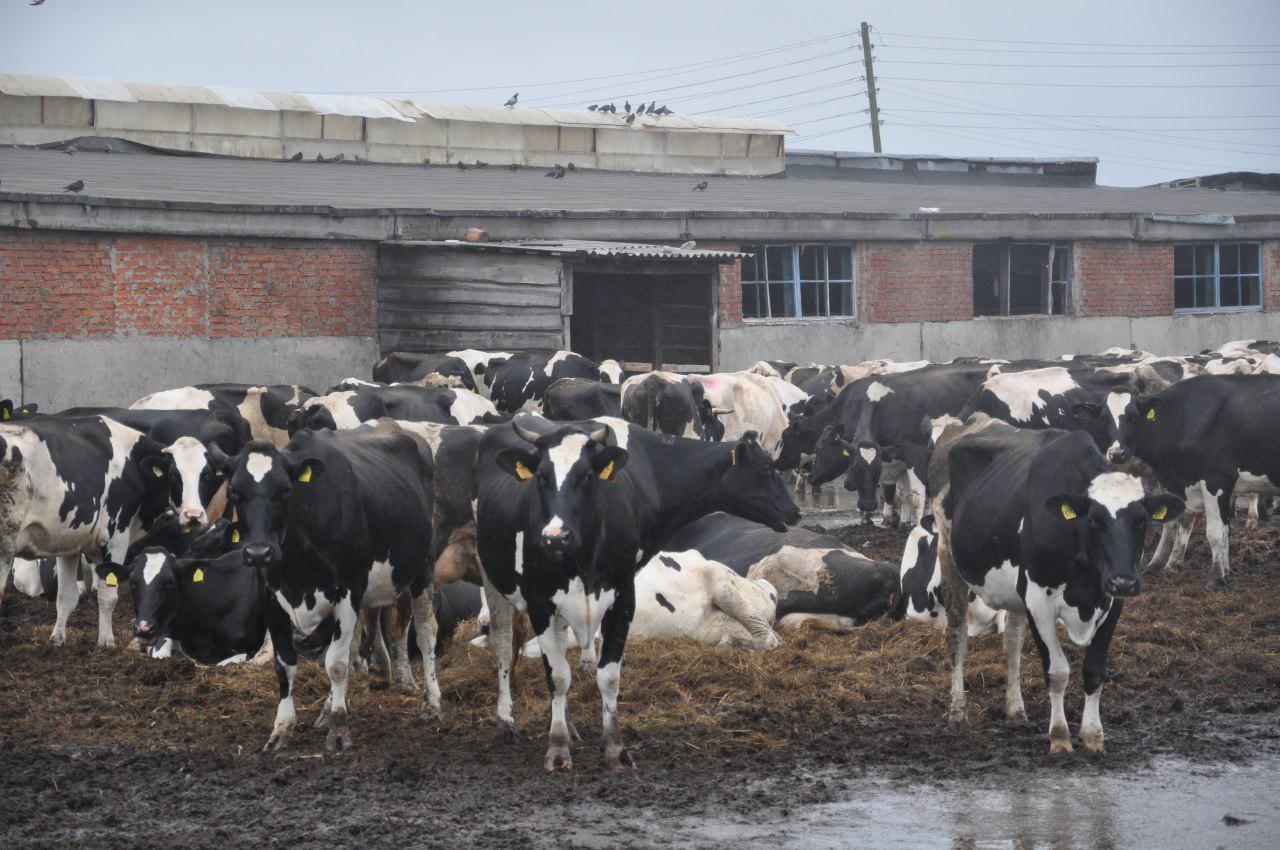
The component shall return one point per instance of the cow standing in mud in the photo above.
(567, 514)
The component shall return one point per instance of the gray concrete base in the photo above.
(60, 373)
(1012, 338)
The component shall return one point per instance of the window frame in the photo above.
(1215, 277)
(1056, 248)
(760, 284)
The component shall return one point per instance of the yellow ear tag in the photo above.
(305, 477)
(186, 529)
(846, 453)
(1151, 415)
(24, 410)
(1160, 514)
(607, 473)
(5, 414)
(1067, 513)
(522, 472)
(111, 580)
(198, 575)
(235, 535)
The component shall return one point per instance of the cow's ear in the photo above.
(219, 460)
(608, 462)
(193, 570)
(517, 463)
(112, 574)
(1164, 508)
(6, 410)
(1086, 409)
(1068, 507)
(156, 465)
(307, 471)
(1147, 406)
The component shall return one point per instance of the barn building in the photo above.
(199, 250)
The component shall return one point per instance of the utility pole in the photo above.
(871, 86)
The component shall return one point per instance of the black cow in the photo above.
(567, 514)
(402, 367)
(72, 487)
(816, 576)
(671, 404)
(1038, 524)
(264, 409)
(349, 408)
(1209, 438)
(337, 522)
(570, 399)
(520, 381)
(10, 411)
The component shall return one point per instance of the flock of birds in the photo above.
(612, 108)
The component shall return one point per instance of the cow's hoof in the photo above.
(1016, 716)
(618, 760)
(956, 723)
(338, 739)
(107, 642)
(1217, 583)
(505, 731)
(430, 713)
(1060, 741)
(378, 683)
(1092, 740)
(558, 758)
(278, 742)
(57, 639)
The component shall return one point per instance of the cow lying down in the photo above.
(816, 577)
(921, 579)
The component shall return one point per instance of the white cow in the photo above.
(753, 403)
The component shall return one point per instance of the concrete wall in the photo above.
(1045, 337)
(61, 373)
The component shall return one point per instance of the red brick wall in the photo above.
(1271, 275)
(915, 281)
(1121, 278)
(77, 285)
(731, 293)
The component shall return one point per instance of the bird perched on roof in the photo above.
(573, 167)
(74, 187)
(37, 2)
(426, 162)
(480, 164)
(653, 106)
(320, 157)
(593, 107)
(515, 166)
(462, 166)
(69, 150)
(701, 187)
(557, 171)
(339, 158)
(688, 246)
(361, 160)
(297, 157)
(627, 106)
(631, 118)
(662, 110)
(511, 101)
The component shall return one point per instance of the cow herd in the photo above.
(550, 492)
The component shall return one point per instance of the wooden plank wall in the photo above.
(441, 299)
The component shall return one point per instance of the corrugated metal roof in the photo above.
(214, 182)
(582, 248)
(39, 85)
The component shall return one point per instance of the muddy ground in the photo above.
(104, 748)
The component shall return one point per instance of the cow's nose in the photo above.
(1123, 586)
(143, 628)
(557, 544)
(257, 554)
(1118, 455)
(193, 516)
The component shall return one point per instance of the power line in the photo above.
(829, 117)
(1076, 65)
(1090, 85)
(766, 82)
(831, 132)
(1088, 115)
(1043, 52)
(1085, 129)
(800, 106)
(782, 96)
(701, 64)
(1061, 43)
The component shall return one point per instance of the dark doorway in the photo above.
(648, 321)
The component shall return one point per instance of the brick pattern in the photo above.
(75, 285)
(1122, 278)
(915, 281)
(730, 284)
(1271, 275)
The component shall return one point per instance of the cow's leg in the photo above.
(559, 677)
(1056, 671)
(1164, 546)
(424, 623)
(370, 632)
(614, 628)
(68, 597)
(889, 511)
(398, 619)
(1217, 513)
(1015, 626)
(280, 638)
(6, 568)
(337, 663)
(915, 498)
(500, 636)
(956, 594)
(1095, 673)
(1194, 496)
(1252, 521)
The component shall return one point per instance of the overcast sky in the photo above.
(1164, 116)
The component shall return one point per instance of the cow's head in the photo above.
(831, 455)
(565, 467)
(155, 577)
(9, 411)
(191, 478)
(314, 416)
(709, 415)
(752, 489)
(802, 431)
(261, 480)
(1138, 421)
(866, 461)
(1110, 524)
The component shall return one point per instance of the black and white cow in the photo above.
(683, 594)
(1039, 525)
(570, 399)
(569, 511)
(816, 577)
(402, 367)
(520, 381)
(352, 407)
(1208, 438)
(336, 522)
(264, 409)
(72, 487)
(10, 411)
(772, 368)
(672, 404)
(483, 366)
(921, 580)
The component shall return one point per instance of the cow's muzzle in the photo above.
(1118, 454)
(261, 554)
(558, 545)
(144, 629)
(1123, 586)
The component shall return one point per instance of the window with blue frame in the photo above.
(797, 281)
(1217, 276)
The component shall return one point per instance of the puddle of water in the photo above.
(1170, 805)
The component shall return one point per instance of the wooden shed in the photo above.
(649, 306)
